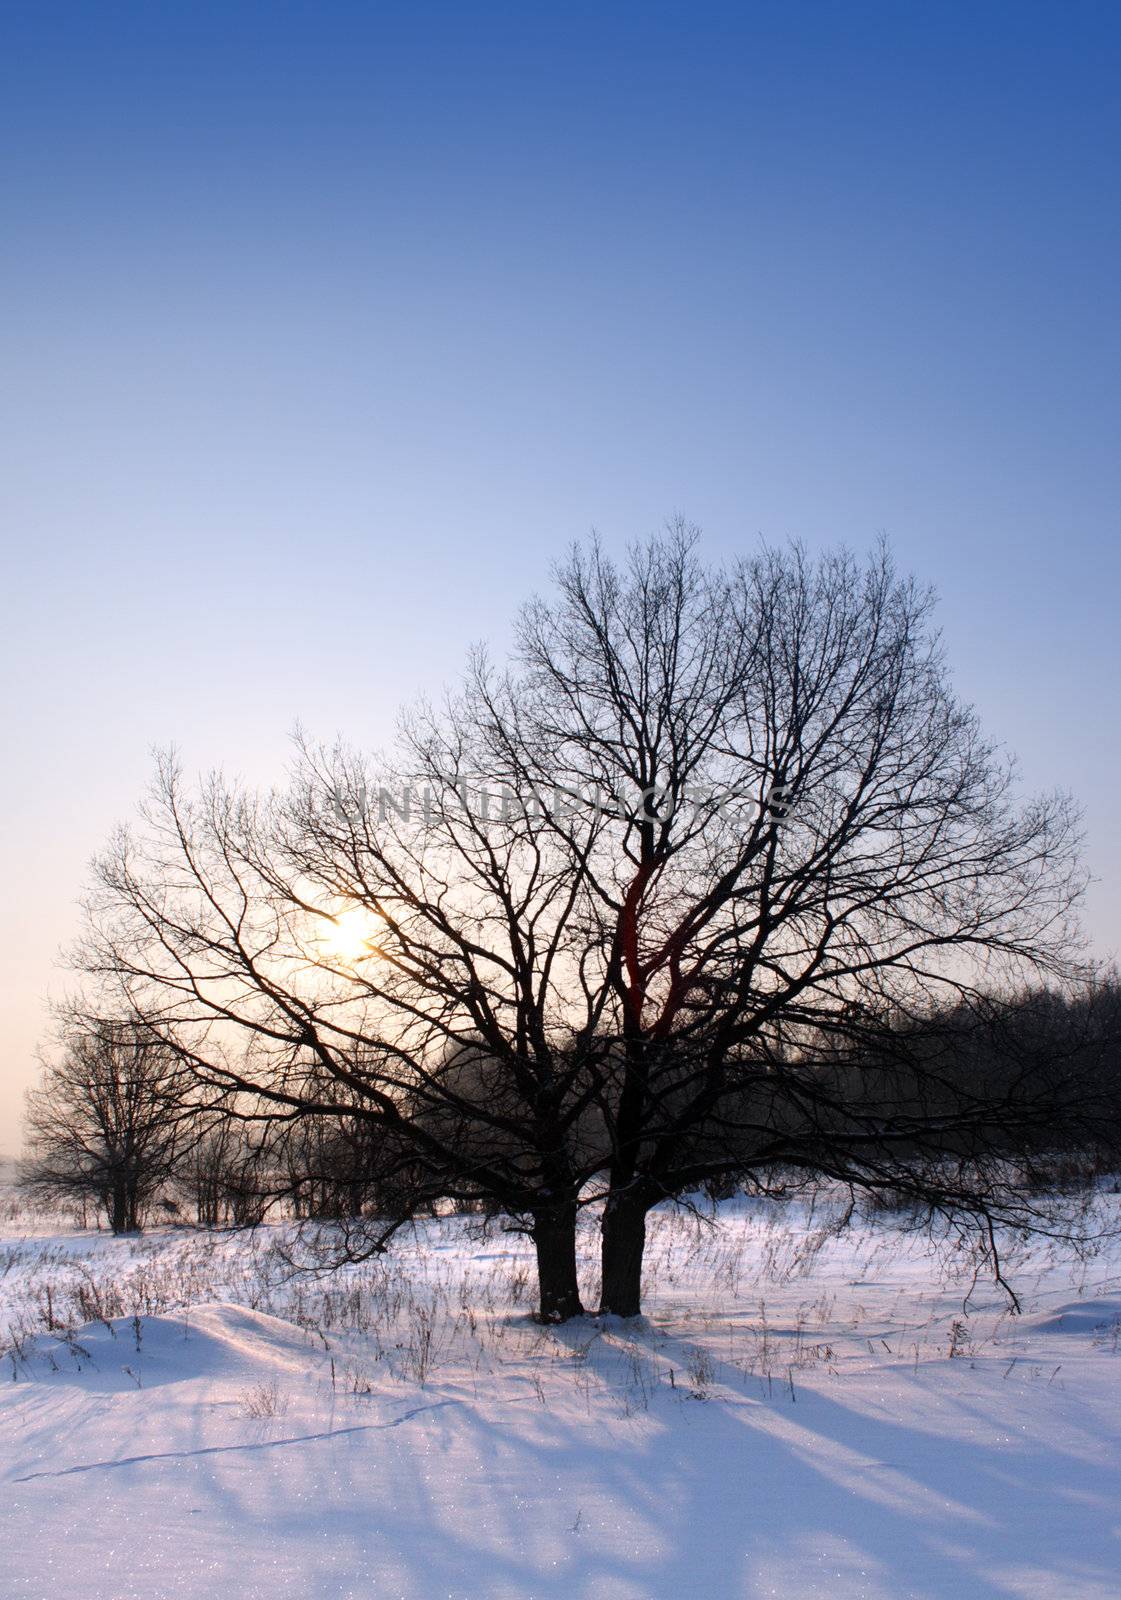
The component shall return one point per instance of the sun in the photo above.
(351, 936)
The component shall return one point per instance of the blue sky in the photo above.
(326, 327)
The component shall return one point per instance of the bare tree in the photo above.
(601, 929)
(343, 1165)
(806, 835)
(446, 1020)
(105, 1121)
(227, 1176)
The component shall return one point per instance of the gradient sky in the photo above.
(326, 327)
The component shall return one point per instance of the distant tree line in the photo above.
(115, 1125)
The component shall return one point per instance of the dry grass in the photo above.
(749, 1303)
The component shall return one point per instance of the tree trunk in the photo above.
(623, 1243)
(554, 1234)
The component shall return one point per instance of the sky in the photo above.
(326, 328)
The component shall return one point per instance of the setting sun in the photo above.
(350, 936)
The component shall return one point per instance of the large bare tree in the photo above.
(599, 929)
(811, 837)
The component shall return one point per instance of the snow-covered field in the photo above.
(800, 1415)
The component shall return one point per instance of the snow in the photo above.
(787, 1421)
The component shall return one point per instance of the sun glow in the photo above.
(350, 937)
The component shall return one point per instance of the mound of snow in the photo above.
(214, 1341)
(1082, 1316)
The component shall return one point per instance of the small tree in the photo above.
(341, 1166)
(105, 1121)
(225, 1176)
